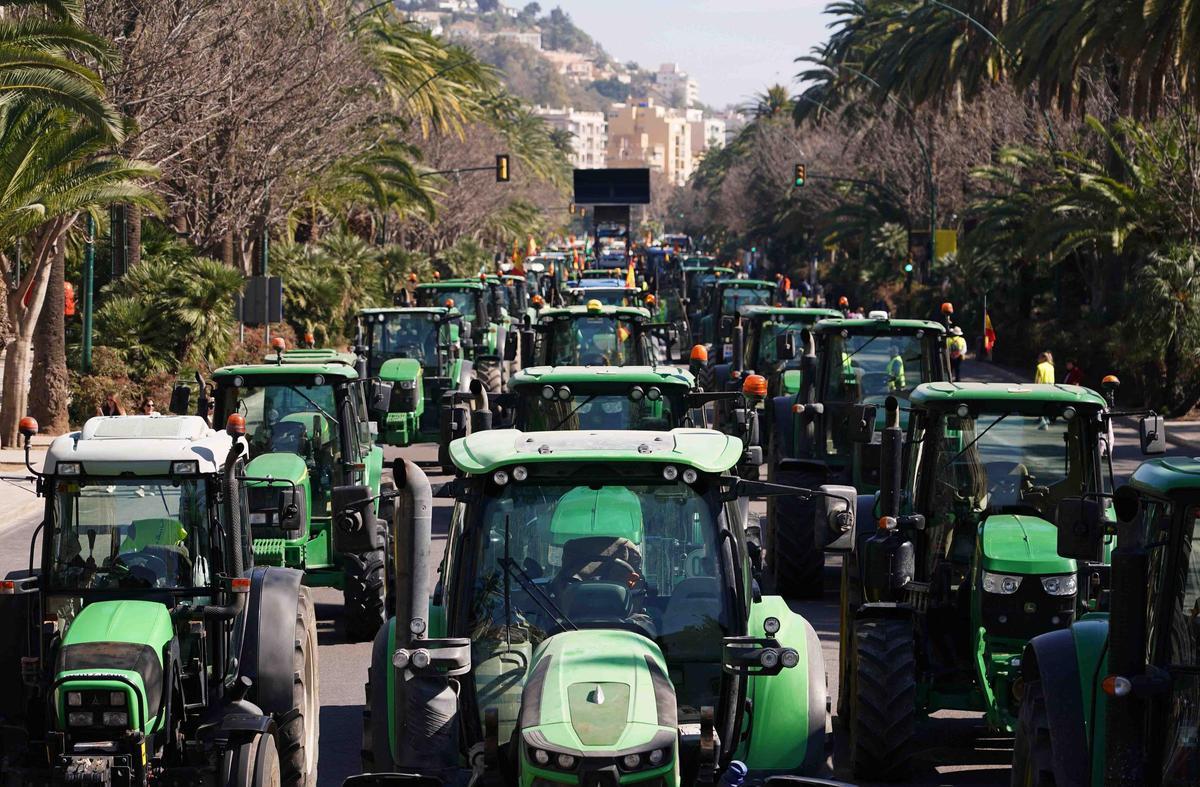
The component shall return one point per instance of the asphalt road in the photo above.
(957, 747)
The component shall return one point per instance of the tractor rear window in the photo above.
(411, 335)
(735, 297)
(873, 367)
(463, 300)
(592, 341)
(627, 408)
(130, 533)
(639, 557)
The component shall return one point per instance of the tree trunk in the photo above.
(133, 230)
(49, 390)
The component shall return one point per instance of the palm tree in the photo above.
(52, 170)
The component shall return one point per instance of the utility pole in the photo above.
(89, 270)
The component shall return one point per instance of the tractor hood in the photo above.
(596, 691)
(111, 648)
(1021, 544)
(399, 369)
(285, 467)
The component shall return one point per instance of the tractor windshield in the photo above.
(593, 341)
(463, 300)
(402, 335)
(873, 366)
(550, 407)
(645, 557)
(1005, 462)
(615, 296)
(735, 297)
(761, 349)
(130, 533)
(292, 418)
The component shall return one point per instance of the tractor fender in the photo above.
(787, 735)
(269, 638)
(1053, 659)
(721, 376)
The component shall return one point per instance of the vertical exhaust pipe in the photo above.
(892, 441)
(411, 537)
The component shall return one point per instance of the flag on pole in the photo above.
(989, 333)
(630, 279)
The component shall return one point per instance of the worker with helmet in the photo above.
(895, 368)
(956, 345)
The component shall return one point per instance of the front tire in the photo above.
(298, 736)
(254, 763)
(491, 374)
(376, 739)
(1033, 755)
(883, 702)
(364, 593)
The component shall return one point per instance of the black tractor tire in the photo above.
(491, 375)
(795, 566)
(847, 604)
(298, 736)
(883, 703)
(387, 512)
(376, 747)
(254, 763)
(706, 378)
(364, 593)
(1033, 755)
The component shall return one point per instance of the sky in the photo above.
(732, 48)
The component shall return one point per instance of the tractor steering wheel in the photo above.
(147, 569)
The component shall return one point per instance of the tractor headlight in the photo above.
(69, 468)
(519, 473)
(670, 472)
(116, 699)
(631, 761)
(565, 761)
(1003, 584)
(769, 658)
(74, 699)
(689, 476)
(408, 385)
(1060, 585)
(116, 718)
(789, 658)
(80, 718)
(541, 756)
(657, 756)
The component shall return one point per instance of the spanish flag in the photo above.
(989, 333)
(630, 278)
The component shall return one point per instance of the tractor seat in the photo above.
(596, 602)
(690, 630)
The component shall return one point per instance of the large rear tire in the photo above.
(795, 566)
(491, 374)
(1033, 755)
(706, 378)
(254, 763)
(364, 593)
(883, 702)
(298, 736)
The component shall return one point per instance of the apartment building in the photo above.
(589, 137)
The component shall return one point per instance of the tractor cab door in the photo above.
(1174, 646)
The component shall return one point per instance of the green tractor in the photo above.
(595, 622)
(827, 431)
(939, 601)
(144, 646)
(699, 275)
(312, 445)
(418, 353)
(725, 298)
(1113, 699)
(548, 398)
(485, 327)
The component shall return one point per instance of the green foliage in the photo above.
(173, 312)
(559, 32)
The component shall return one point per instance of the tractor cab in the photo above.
(970, 534)
(519, 305)
(726, 298)
(595, 606)
(773, 341)
(609, 292)
(600, 398)
(124, 660)
(594, 335)
(311, 440)
(469, 297)
(488, 337)
(417, 353)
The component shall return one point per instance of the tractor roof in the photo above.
(704, 449)
(757, 310)
(748, 284)
(452, 284)
(140, 444)
(868, 325)
(601, 284)
(434, 310)
(945, 392)
(644, 375)
(335, 370)
(1166, 475)
(712, 268)
(563, 312)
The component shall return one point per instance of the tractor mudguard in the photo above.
(1053, 659)
(270, 636)
(787, 734)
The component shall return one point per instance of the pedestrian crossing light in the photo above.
(502, 168)
(801, 174)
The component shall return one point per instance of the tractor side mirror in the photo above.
(291, 511)
(1152, 430)
(354, 522)
(859, 423)
(181, 395)
(836, 512)
(510, 351)
(785, 346)
(1080, 528)
(379, 398)
(528, 345)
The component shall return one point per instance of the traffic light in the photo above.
(908, 267)
(800, 175)
(502, 168)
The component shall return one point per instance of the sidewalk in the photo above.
(14, 457)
